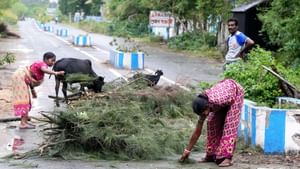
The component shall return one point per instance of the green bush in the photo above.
(7, 58)
(192, 41)
(92, 26)
(155, 38)
(136, 26)
(8, 17)
(259, 85)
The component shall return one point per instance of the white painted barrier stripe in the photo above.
(101, 50)
(89, 55)
(117, 74)
(62, 39)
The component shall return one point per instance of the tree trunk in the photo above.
(221, 36)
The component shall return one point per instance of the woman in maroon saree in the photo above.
(222, 105)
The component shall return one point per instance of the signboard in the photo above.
(161, 19)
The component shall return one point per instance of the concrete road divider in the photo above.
(121, 60)
(276, 131)
(48, 28)
(62, 32)
(82, 40)
(40, 25)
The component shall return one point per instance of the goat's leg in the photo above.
(81, 88)
(64, 90)
(57, 84)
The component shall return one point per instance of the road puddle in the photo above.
(15, 144)
(14, 140)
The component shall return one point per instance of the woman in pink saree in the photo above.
(221, 105)
(24, 81)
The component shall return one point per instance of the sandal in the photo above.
(28, 126)
(225, 163)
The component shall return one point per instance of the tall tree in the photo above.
(284, 30)
(4, 4)
(89, 7)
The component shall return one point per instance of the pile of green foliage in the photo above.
(126, 45)
(128, 121)
(8, 58)
(79, 77)
(260, 86)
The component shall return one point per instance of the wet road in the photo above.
(177, 67)
(31, 47)
(35, 43)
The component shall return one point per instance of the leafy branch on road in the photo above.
(8, 58)
(132, 122)
(126, 45)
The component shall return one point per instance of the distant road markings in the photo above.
(24, 50)
(117, 74)
(89, 55)
(101, 50)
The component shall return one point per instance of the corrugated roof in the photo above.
(247, 6)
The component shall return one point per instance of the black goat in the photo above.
(152, 80)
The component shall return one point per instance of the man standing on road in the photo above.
(237, 43)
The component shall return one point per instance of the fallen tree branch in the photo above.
(69, 96)
(7, 101)
(288, 89)
(131, 82)
(4, 120)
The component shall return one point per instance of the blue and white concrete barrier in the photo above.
(41, 26)
(48, 28)
(82, 40)
(121, 60)
(62, 32)
(276, 131)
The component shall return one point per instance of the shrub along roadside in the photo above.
(260, 86)
(192, 41)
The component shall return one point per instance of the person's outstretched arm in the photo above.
(45, 70)
(193, 140)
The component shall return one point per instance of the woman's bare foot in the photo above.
(27, 126)
(225, 163)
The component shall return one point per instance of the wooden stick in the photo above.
(7, 101)
(279, 77)
(53, 97)
(4, 120)
(60, 98)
